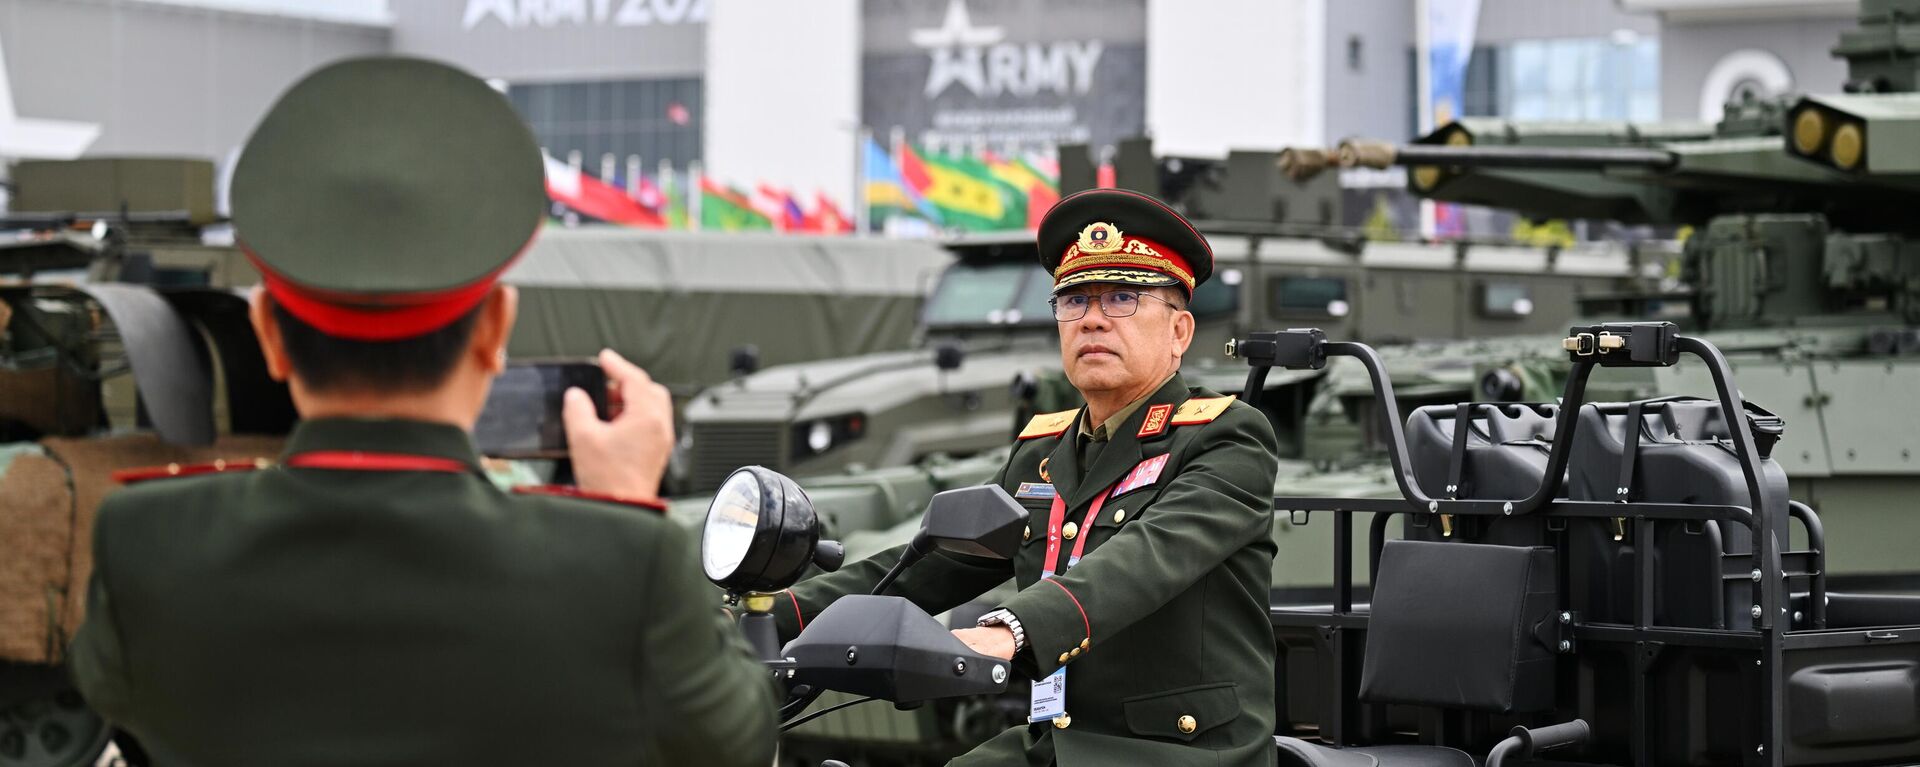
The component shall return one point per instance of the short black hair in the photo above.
(328, 363)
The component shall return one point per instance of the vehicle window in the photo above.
(1319, 296)
(1033, 298)
(976, 295)
(1505, 300)
(1218, 296)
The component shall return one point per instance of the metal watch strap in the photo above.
(1004, 617)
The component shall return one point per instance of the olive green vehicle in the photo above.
(121, 342)
(1803, 264)
(987, 341)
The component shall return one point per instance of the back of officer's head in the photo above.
(332, 365)
(382, 199)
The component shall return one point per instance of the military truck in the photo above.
(988, 350)
(120, 344)
(696, 308)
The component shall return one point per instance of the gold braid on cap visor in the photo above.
(1146, 258)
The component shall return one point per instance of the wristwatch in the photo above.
(1003, 617)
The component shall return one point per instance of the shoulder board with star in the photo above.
(1201, 410)
(1048, 424)
(171, 470)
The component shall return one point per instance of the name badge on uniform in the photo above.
(1049, 697)
(1147, 473)
(1040, 490)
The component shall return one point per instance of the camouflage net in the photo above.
(47, 506)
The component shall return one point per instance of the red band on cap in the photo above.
(1156, 258)
(384, 317)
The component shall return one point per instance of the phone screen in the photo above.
(522, 417)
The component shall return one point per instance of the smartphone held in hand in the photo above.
(522, 417)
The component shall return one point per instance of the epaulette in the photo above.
(1049, 424)
(568, 491)
(1202, 410)
(142, 474)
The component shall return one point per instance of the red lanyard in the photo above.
(1054, 520)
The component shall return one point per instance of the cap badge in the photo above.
(1099, 238)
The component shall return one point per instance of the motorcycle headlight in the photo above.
(761, 533)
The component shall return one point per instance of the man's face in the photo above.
(1123, 354)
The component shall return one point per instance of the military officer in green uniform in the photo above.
(1141, 615)
(371, 598)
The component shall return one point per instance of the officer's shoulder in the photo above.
(570, 501)
(1204, 406)
(154, 492)
(1211, 410)
(1048, 425)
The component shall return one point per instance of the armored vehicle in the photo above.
(121, 344)
(1799, 265)
(988, 352)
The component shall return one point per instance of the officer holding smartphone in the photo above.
(371, 597)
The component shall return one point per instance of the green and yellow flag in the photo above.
(727, 210)
(969, 195)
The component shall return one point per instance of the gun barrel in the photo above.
(1374, 154)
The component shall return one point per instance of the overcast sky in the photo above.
(363, 11)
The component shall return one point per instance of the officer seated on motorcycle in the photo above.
(1141, 616)
(371, 597)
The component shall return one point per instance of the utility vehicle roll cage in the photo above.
(1344, 719)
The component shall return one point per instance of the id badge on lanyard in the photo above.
(1049, 701)
(1057, 517)
(1049, 697)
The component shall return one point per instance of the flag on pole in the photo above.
(728, 210)
(888, 192)
(592, 198)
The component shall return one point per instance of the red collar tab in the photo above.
(1156, 422)
(376, 317)
(142, 474)
(567, 491)
(355, 460)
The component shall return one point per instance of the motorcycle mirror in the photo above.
(888, 648)
(981, 521)
(761, 533)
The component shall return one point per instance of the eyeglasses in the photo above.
(1117, 303)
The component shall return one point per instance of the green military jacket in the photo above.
(408, 616)
(1163, 625)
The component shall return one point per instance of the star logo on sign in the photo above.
(957, 29)
(956, 47)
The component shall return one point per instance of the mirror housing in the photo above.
(980, 521)
(892, 650)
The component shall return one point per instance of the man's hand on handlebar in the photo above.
(994, 641)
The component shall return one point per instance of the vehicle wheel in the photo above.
(57, 730)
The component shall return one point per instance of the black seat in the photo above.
(1295, 752)
(1429, 647)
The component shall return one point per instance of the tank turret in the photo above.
(1801, 206)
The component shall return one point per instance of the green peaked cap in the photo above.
(387, 180)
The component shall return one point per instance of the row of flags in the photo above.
(907, 188)
(978, 193)
(660, 202)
